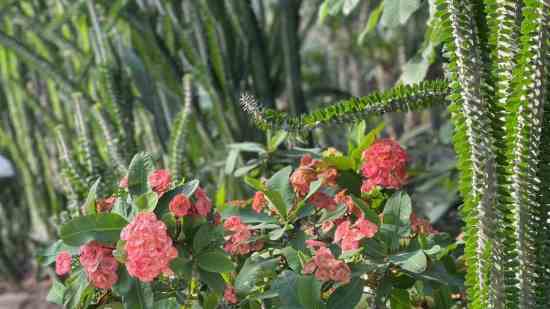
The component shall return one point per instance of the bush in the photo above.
(337, 231)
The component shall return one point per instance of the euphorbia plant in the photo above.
(336, 231)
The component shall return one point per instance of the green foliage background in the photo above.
(85, 84)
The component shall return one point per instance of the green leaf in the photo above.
(231, 161)
(215, 261)
(206, 235)
(146, 202)
(140, 168)
(89, 204)
(365, 141)
(248, 147)
(211, 301)
(163, 204)
(182, 268)
(399, 299)
(56, 293)
(104, 227)
(415, 262)
(279, 192)
(342, 163)
(276, 140)
(374, 17)
(139, 296)
(213, 280)
(276, 234)
(309, 292)
(397, 212)
(292, 258)
(285, 286)
(254, 268)
(254, 183)
(346, 296)
(349, 5)
(397, 12)
(248, 216)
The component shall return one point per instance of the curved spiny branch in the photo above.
(398, 99)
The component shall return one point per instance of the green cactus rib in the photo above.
(398, 99)
(502, 20)
(177, 140)
(529, 211)
(473, 142)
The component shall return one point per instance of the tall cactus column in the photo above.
(498, 52)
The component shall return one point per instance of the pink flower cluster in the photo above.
(229, 295)
(343, 198)
(309, 171)
(325, 266)
(160, 181)
(148, 247)
(239, 242)
(259, 202)
(181, 205)
(63, 263)
(385, 165)
(99, 264)
(421, 225)
(349, 235)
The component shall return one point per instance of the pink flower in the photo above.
(325, 267)
(63, 263)
(313, 244)
(322, 274)
(238, 243)
(340, 272)
(343, 198)
(148, 247)
(106, 204)
(301, 178)
(349, 235)
(329, 177)
(180, 205)
(160, 181)
(203, 205)
(366, 228)
(123, 183)
(309, 267)
(323, 256)
(232, 223)
(421, 225)
(99, 264)
(327, 226)
(322, 200)
(229, 295)
(385, 165)
(259, 202)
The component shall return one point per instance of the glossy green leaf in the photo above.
(309, 292)
(346, 296)
(206, 235)
(56, 293)
(415, 262)
(89, 204)
(146, 202)
(253, 269)
(140, 168)
(104, 227)
(215, 261)
(163, 204)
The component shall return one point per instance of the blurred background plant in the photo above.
(85, 84)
